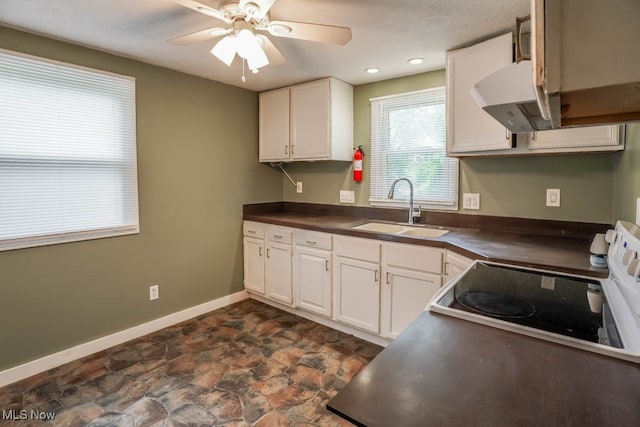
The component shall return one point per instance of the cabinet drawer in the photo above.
(357, 248)
(414, 257)
(313, 239)
(253, 229)
(279, 234)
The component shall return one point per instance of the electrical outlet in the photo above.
(154, 292)
(299, 187)
(638, 211)
(553, 197)
(347, 196)
(471, 201)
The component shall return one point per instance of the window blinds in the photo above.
(67, 153)
(408, 140)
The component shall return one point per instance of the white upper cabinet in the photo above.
(274, 125)
(469, 128)
(309, 121)
(594, 138)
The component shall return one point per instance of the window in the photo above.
(67, 153)
(408, 140)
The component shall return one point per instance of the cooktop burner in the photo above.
(496, 305)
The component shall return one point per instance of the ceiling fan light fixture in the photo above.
(416, 61)
(225, 50)
(249, 48)
(372, 70)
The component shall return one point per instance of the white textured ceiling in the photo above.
(385, 34)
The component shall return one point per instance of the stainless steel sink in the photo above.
(406, 230)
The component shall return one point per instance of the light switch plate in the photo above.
(470, 201)
(347, 196)
(553, 197)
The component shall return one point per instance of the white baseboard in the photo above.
(51, 361)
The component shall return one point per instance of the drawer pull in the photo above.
(277, 236)
(326, 265)
(251, 231)
(388, 278)
(375, 276)
(267, 252)
(260, 251)
(311, 242)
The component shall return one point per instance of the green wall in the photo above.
(626, 181)
(197, 166)
(508, 186)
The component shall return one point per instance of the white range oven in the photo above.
(598, 315)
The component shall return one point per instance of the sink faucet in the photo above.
(412, 214)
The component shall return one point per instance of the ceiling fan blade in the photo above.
(205, 8)
(274, 55)
(200, 36)
(312, 32)
(262, 9)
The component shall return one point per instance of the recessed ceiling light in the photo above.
(416, 61)
(372, 70)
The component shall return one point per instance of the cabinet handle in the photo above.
(260, 251)
(293, 149)
(311, 242)
(286, 150)
(326, 265)
(267, 252)
(507, 134)
(277, 236)
(388, 278)
(375, 276)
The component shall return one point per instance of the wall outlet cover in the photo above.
(299, 187)
(553, 197)
(347, 196)
(471, 201)
(154, 292)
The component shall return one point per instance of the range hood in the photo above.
(508, 95)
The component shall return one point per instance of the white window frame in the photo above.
(132, 226)
(377, 165)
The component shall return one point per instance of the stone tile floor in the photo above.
(247, 364)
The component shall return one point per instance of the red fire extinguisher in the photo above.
(357, 164)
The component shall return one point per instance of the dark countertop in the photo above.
(443, 371)
(563, 254)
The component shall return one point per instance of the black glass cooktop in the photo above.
(552, 302)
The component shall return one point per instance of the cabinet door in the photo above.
(274, 125)
(405, 294)
(598, 137)
(310, 127)
(253, 251)
(312, 280)
(278, 273)
(469, 127)
(356, 289)
(455, 265)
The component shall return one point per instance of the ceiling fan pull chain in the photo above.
(244, 80)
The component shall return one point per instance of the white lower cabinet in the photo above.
(454, 265)
(253, 251)
(312, 272)
(412, 275)
(365, 284)
(278, 269)
(405, 293)
(356, 282)
(356, 286)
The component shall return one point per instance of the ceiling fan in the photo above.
(246, 20)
